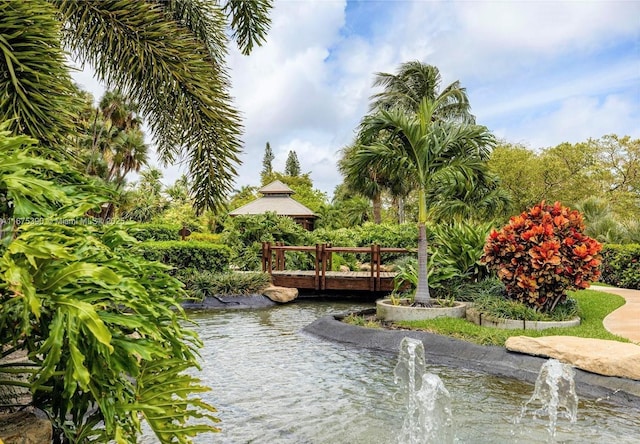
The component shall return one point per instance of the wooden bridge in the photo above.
(322, 277)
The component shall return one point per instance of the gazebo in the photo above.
(276, 197)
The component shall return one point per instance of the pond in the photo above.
(273, 383)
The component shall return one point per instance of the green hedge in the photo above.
(202, 256)
(155, 232)
(621, 265)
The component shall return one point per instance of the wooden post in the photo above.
(184, 232)
(330, 257)
(317, 266)
(372, 282)
(283, 258)
(379, 265)
(323, 285)
(280, 263)
(265, 258)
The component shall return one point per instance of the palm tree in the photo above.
(131, 154)
(366, 182)
(415, 81)
(168, 56)
(432, 151)
(405, 90)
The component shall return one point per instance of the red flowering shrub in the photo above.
(541, 254)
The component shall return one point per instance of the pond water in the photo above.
(272, 383)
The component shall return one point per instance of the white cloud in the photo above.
(578, 119)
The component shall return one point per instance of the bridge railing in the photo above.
(274, 259)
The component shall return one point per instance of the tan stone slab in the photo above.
(280, 294)
(625, 321)
(24, 427)
(609, 358)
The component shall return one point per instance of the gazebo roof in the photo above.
(276, 187)
(277, 198)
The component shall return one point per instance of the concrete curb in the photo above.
(485, 320)
(443, 350)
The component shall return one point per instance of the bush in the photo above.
(205, 237)
(543, 253)
(387, 235)
(621, 265)
(155, 232)
(202, 256)
(460, 245)
(200, 285)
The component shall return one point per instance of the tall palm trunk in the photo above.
(401, 216)
(423, 298)
(377, 209)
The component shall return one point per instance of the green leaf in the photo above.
(88, 317)
(72, 273)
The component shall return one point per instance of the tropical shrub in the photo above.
(440, 276)
(341, 237)
(387, 235)
(155, 232)
(455, 250)
(103, 329)
(202, 256)
(460, 245)
(543, 253)
(205, 237)
(200, 285)
(621, 265)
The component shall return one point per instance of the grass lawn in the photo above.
(593, 307)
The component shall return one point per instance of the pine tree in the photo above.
(267, 167)
(292, 167)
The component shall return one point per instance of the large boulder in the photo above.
(609, 358)
(25, 427)
(280, 294)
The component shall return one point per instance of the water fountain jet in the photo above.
(555, 394)
(428, 418)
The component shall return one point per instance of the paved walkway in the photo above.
(625, 321)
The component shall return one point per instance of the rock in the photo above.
(280, 294)
(25, 427)
(609, 358)
(344, 269)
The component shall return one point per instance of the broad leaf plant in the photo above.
(102, 330)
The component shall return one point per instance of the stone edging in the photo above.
(485, 320)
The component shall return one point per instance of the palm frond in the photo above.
(36, 92)
(250, 22)
(206, 20)
(136, 46)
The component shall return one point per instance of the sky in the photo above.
(538, 73)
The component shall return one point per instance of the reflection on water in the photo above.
(273, 383)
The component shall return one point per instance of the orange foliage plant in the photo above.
(541, 254)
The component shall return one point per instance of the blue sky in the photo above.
(537, 73)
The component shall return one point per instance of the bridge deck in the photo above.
(334, 280)
(321, 278)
